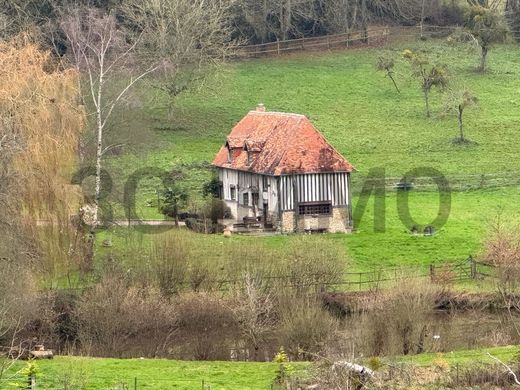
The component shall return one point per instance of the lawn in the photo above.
(466, 357)
(108, 373)
(471, 218)
(355, 107)
(371, 124)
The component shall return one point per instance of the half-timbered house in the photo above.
(277, 171)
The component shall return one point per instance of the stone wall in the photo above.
(335, 223)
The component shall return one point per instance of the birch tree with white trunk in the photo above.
(100, 51)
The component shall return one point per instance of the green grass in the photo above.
(372, 125)
(466, 357)
(355, 107)
(471, 217)
(108, 373)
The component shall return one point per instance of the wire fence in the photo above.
(446, 272)
(455, 183)
(63, 381)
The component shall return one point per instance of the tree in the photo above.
(428, 74)
(513, 17)
(174, 197)
(254, 312)
(192, 36)
(458, 100)
(386, 64)
(39, 133)
(487, 27)
(100, 49)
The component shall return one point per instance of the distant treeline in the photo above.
(250, 21)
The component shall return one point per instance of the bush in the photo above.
(122, 321)
(169, 263)
(206, 327)
(399, 318)
(203, 226)
(305, 327)
(216, 209)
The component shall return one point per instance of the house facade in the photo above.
(276, 170)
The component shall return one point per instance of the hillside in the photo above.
(363, 116)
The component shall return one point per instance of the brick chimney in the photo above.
(260, 107)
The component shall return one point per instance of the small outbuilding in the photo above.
(277, 171)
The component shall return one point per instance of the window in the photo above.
(314, 208)
(233, 192)
(245, 196)
(265, 183)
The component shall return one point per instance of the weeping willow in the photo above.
(40, 111)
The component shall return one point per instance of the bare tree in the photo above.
(458, 100)
(487, 26)
(254, 312)
(387, 64)
(428, 74)
(192, 36)
(99, 49)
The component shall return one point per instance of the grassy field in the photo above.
(472, 215)
(101, 374)
(355, 107)
(466, 357)
(372, 125)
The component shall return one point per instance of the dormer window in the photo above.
(249, 153)
(229, 153)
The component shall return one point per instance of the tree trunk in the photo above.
(483, 59)
(461, 129)
(364, 20)
(99, 149)
(393, 81)
(427, 102)
(422, 18)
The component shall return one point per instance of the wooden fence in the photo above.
(454, 271)
(356, 38)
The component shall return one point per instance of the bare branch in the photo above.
(506, 367)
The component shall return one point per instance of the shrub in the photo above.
(398, 319)
(216, 209)
(169, 263)
(305, 327)
(117, 320)
(206, 327)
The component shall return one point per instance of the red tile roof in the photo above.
(279, 144)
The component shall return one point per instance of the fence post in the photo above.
(432, 272)
(328, 42)
(135, 383)
(278, 47)
(473, 266)
(33, 382)
(303, 43)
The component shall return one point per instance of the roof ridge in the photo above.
(277, 113)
